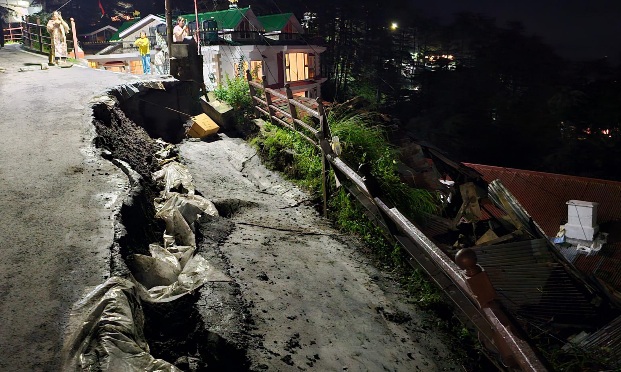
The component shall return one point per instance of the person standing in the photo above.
(57, 29)
(143, 45)
(159, 60)
(180, 31)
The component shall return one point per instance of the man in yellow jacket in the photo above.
(143, 45)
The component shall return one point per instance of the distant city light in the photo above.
(394, 26)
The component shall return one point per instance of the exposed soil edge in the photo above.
(176, 331)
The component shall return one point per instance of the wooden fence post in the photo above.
(39, 34)
(28, 35)
(253, 93)
(268, 99)
(324, 133)
(76, 46)
(292, 110)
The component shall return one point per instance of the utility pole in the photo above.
(169, 27)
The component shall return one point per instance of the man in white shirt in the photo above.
(159, 60)
(180, 31)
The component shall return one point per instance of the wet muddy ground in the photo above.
(303, 296)
(314, 300)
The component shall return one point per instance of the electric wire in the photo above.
(165, 107)
(62, 6)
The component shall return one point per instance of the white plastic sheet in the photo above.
(179, 212)
(175, 176)
(105, 332)
(170, 273)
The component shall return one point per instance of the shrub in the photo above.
(237, 94)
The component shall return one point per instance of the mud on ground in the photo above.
(315, 301)
(303, 296)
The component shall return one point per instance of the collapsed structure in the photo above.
(548, 244)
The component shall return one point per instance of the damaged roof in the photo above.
(544, 195)
(534, 287)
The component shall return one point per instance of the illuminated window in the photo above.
(299, 66)
(256, 70)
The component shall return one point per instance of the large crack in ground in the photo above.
(202, 330)
(301, 295)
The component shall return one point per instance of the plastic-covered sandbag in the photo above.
(175, 176)
(170, 273)
(160, 269)
(178, 227)
(166, 150)
(179, 212)
(190, 206)
(106, 332)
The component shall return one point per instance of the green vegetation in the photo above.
(574, 359)
(36, 46)
(362, 143)
(236, 93)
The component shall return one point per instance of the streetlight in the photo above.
(394, 26)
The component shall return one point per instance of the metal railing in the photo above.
(469, 289)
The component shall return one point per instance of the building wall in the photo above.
(219, 61)
(20, 8)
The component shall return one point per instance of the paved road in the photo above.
(57, 197)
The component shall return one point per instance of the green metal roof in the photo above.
(123, 27)
(227, 19)
(274, 22)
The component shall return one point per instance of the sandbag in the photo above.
(106, 332)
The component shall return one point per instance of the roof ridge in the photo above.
(526, 171)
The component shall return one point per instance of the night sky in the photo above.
(576, 29)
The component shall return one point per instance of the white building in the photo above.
(20, 9)
(270, 46)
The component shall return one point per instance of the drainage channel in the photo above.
(206, 328)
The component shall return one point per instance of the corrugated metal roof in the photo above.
(124, 26)
(606, 268)
(544, 195)
(227, 19)
(274, 22)
(607, 340)
(533, 286)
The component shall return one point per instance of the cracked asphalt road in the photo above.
(57, 197)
